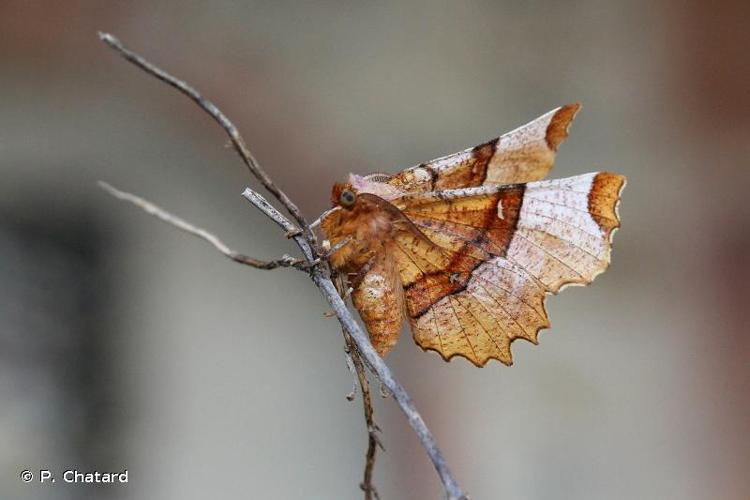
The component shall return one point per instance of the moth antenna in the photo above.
(378, 177)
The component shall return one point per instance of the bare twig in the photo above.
(318, 273)
(373, 442)
(234, 135)
(160, 213)
(357, 367)
(353, 370)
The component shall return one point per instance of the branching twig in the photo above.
(234, 135)
(306, 242)
(160, 213)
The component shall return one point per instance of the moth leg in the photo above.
(325, 254)
(293, 233)
(322, 216)
(316, 222)
(326, 250)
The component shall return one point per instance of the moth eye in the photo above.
(347, 198)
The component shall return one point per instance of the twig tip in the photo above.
(106, 37)
(108, 187)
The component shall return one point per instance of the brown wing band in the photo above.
(604, 189)
(496, 235)
(557, 130)
(474, 176)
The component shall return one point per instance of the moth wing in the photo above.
(379, 299)
(492, 254)
(523, 155)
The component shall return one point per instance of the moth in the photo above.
(466, 247)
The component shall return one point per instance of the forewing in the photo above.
(523, 155)
(493, 252)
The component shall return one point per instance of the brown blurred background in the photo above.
(126, 344)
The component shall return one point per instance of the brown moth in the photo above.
(467, 246)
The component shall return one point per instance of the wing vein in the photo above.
(569, 207)
(499, 350)
(510, 292)
(461, 325)
(569, 224)
(501, 307)
(568, 242)
(432, 307)
(547, 252)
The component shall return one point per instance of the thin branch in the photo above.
(358, 368)
(353, 370)
(234, 135)
(173, 220)
(272, 213)
(372, 429)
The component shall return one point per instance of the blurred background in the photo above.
(127, 344)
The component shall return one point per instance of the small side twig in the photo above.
(353, 370)
(160, 213)
(357, 367)
(373, 441)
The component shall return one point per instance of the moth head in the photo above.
(343, 195)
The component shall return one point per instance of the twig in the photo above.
(353, 370)
(234, 135)
(372, 438)
(357, 367)
(160, 213)
(318, 273)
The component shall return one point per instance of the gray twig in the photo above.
(373, 441)
(358, 369)
(209, 107)
(160, 213)
(353, 370)
(319, 273)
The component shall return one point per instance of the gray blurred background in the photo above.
(126, 344)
